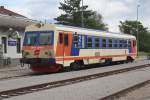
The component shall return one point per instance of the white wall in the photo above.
(11, 50)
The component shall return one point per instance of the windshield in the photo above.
(45, 38)
(31, 39)
(39, 38)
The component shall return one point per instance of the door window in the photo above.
(66, 42)
(60, 38)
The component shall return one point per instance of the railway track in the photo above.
(28, 74)
(40, 87)
(116, 95)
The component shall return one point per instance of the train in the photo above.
(50, 48)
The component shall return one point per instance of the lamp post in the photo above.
(138, 29)
(82, 16)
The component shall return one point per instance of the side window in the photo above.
(66, 43)
(60, 38)
(110, 43)
(97, 42)
(89, 42)
(75, 40)
(125, 43)
(83, 41)
(129, 44)
(120, 43)
(115, 43)
(104, 42)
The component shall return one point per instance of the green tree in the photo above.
(72, 15)
(130, 27)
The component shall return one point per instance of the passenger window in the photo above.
(83, 43)
(89, 42)
(60, 38)
(110, 43)
(125, 43)
(66, 43)
(120, 43)
(115, 43)
(104, 43)
(97, 42)
(75, 40)
(129, 43)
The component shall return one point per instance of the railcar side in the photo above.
(64, 46)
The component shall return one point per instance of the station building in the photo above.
(12, 27)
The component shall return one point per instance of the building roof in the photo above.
(8, 12)
(14, 20)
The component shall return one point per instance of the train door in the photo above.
(134, 46)
(64, 45)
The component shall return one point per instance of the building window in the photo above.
(18, 45)
(89, 42)
(97, 42)
(104, 43)
(4, 42)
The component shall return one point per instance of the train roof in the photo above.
(78, 30)
(94, 32)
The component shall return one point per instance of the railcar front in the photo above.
(38, 50)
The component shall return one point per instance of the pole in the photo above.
(138, 30)
(82, 16)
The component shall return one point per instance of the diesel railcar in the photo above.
(49, 48)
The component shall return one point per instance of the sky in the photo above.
(113, 11)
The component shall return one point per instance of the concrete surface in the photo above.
(91, 90)
(39, 79)
(14, 71)
(142, 93)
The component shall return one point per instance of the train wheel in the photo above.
(74, 66)
(130, 59)
(108, 61)
(77, 65)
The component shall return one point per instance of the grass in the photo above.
(144, 53)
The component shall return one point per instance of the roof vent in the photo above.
(2, 7)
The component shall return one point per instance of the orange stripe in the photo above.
(92, 57)
(37, 47)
